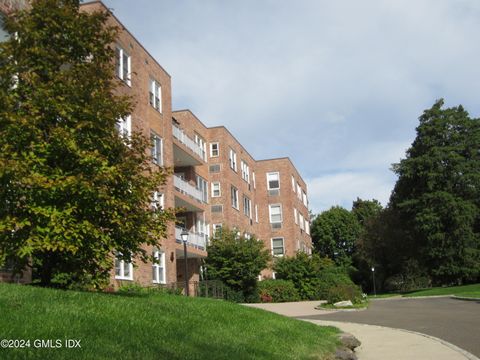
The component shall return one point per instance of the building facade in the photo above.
(215, 183)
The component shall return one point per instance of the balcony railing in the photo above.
(189, 143)
(188, 189)
(198, 241)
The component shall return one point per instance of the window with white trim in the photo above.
(278, 248)
(295, 215)
(124, 126)
(233, 160)
(253, 179)
(214, 149)
(299, 191)
(158, 268)
(275, 211)
(245, 171)
(256, 214)
(247, 206)
(293, 184)
(301, 221)
(123, 269)
(202, 145)
(304, 196)
(216, 190)
(155, 95)
(273, 180)
(158, 201)
(202, 185)
(123, 65)
(156, 149)
(234, 197)
(307, 227)
(3, 34)
(215, 228)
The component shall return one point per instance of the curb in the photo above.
(464, 298)
(463, 352)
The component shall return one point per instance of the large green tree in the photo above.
(334, 233)
(72, 191)
(236, 260)
(437, 195)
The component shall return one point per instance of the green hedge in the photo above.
(277, 291)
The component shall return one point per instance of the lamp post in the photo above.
(373, 277)
(184, 236)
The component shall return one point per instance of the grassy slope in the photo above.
(156, 326)
(465, 290)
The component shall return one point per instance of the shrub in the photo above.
(344, 292)
(277, 291)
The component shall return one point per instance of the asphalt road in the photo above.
(455, 321)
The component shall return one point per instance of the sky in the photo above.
(337, 86)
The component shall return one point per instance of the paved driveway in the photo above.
(455, 321)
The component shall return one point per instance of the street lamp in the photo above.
(373, 277)
(184, 236)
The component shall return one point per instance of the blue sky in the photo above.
(335, 85)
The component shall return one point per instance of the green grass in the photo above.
(153, 326)
(465, 290)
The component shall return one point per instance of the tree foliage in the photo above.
(437, 195)
(236, 260)
(72, 191)
(334, 233)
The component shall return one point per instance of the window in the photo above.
(233, 160)
(123, 65)
(302, 221)
(234, 197)
(275, 213)
(295, 215)
(157, 149)
(273, 180)
(202, 145)
(307, 227)
(216, 192)
(214, 149)
(158, 267)
(155, 95)
(277, 247)
(217, 208)
(3, 33)
(214, 168)
(124, 126)
(202, 185)
(247, 207)
(304, 196)
(256, 214)
(245, 171)
(216, 227)
(299, 191)
(293, 184)
(123, 269)
(253, 179)
(158, 201)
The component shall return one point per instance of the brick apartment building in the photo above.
(216, 182)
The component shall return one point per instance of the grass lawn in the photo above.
(465, 290)
(153, 326)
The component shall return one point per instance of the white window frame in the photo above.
(247, 205)
(301, 220)
(124, 126)
(215, 228)
(307, 227)
(158, 268)
(234, 197)
(254, 180)
(304, 197)
(278, 179)
(158, 201)
(214, 152)
(273, 249)
(270, 206)
(214, 184)
(299, 191)
(127, 79)
(123, 264)
(245, 171)
(202, 144)
(295, 215)
(156, 148)
(155, 95)
(256, 213)
(233, 160)
(293, 184)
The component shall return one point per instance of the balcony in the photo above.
(187, 189)
(198, 241)
(190, 153)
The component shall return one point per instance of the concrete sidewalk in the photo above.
(378, 342)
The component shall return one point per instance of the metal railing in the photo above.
(207, 288)
(188, 142)
(187, 188)
(198, 241)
